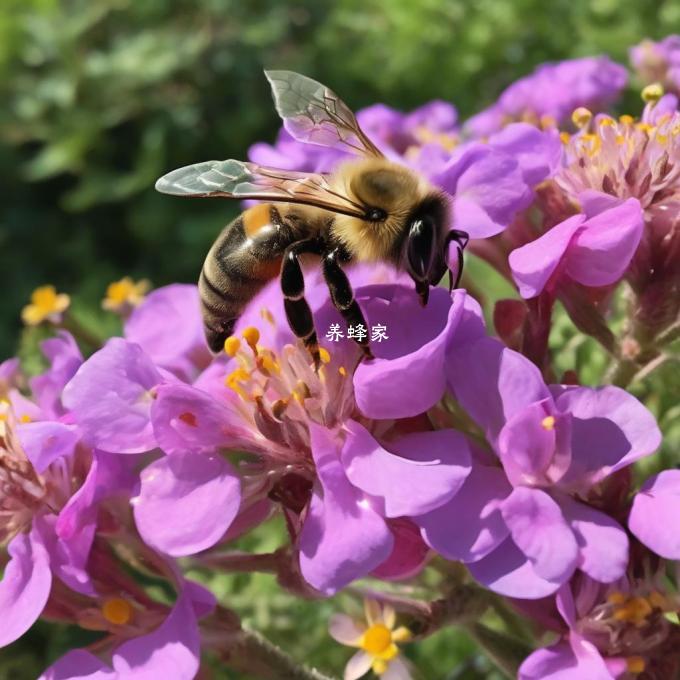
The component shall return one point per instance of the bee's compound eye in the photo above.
(376, 215)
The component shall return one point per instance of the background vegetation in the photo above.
(100, 97)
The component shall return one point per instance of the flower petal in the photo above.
(507, 571)
(409, 554)
(186, 502)
(470, 525)
(110, 398)
(398, 669)
(603, 249)
(540, 531)
(610, 430)
(169, 328)
(420, 472)
(407, 376)
(534, 263)
(25, 585)
(652, 517)
(603, 544)
(187, 419)
(342, 538)
(345, 630)
(45, 441)
(171, 651)
(78, 664)
(358, 665)
(493, 383)
(565, 661)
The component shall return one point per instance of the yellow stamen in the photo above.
(324, 354)
(379, 666)
(548, 423)
(581, 117)
(636, 611)
(645, 127)
(342, 371)
(565, 137)
(377, 639)
(402, 634)
(267, 315)
(547, 122)
(25, 418)
(125, 291)
(269, 364)
(232, 345)
(117, 611)
(625, 119)
(652, 93)
(45, 302)
(635, 664)
(606, 122)
(252, 336)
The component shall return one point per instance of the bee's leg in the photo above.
(461, 239)
(298, 313)
(342, 297)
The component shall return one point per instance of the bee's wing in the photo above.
(313, 113)
(238, 179)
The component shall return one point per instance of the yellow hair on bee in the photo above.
(380, 184)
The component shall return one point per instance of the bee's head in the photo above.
(425, 256)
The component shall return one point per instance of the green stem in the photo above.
(79, 332)
(506, 652)
(252, 654)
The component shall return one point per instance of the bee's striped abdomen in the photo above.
(245, 256)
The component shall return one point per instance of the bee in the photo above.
(369, 209)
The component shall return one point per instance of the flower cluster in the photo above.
(454, 443)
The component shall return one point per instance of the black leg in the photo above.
(460, 238)
(298, 313)
(342, 297)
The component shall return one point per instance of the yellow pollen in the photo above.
(581, 117)
(324, 354)
(232, 345)
(252, 336)
(635, 664)
(565, 137)
(402, 634)
(662, 139)
(25, 418)
(625, 119)
(645, 127)
(342, 371)
(635, 611)
(606, 122)
(237, 376)
(619, 139)
(269, 364)
(616, 597)
(117, 611)
(376, 639)
(267, 315)
(652, 93)
(548, 423)
(547, 122)
(656, 599)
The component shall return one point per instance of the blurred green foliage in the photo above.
(100, 97)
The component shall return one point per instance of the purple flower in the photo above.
(488, 188)
(526, 532)
(658, 62)
(172, 650)
(318, 454)
(168, 327)
(593, 251)
(608, 632)
(650, 517)
(553, 91)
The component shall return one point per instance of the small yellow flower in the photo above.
(46, 305)
(376, 639)
(124, 294)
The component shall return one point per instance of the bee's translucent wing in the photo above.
(313, 113)
(238, 179)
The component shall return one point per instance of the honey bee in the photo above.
(369, 209)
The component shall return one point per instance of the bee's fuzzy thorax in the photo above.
(381, 184)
